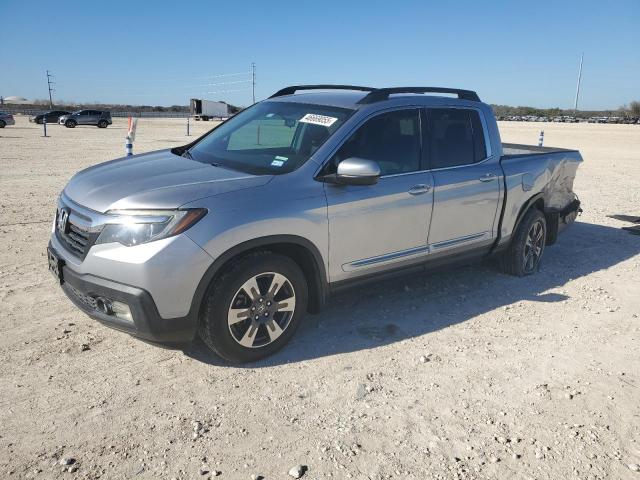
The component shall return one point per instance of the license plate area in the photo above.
(55, 265)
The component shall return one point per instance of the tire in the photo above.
(521, 259)
(70, 124)
(2, 124)
(103, 124)
(257, 321)
(39, 121)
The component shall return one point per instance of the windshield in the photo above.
(270, 137)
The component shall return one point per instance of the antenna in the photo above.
(49, 83)
(575, 104)
(253, 81)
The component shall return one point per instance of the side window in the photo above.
(480, 147)
(455, 137)
(391, 139)
(263, 133)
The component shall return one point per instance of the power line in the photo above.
(229, 91)
(212, 76)
(219, 83)
(163, 80)
(200, 92)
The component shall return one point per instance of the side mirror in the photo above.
(357, 171)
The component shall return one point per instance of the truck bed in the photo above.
(529, 170)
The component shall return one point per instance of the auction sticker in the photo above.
(278, 161)
(318, 119)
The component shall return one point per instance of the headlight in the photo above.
(133, 227)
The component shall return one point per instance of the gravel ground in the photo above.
(465, 373)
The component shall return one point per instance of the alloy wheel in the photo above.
(261, 310)
(533, 247)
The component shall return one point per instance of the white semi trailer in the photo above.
(206, 109)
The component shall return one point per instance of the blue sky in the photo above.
(163, 53)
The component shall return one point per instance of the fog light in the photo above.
(104, 305)
(121, 310)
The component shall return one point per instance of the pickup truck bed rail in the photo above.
(510, 150)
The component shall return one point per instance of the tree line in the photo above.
(631, 110)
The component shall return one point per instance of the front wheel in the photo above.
(527, 246)
(103, 124)
(70, 124)
(253, 309)
(2, 124)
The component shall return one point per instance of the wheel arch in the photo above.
(299, 249)
(536, 201)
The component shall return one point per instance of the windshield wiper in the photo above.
(187, 154)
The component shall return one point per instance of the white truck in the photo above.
(206, 109)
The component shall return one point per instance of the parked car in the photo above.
(100, 119)
(236, 235)
(51, 117)
(6, 119)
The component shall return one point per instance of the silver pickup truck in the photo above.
(237, 235)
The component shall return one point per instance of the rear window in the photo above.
(455, 137)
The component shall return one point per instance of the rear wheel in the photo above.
(103, 124)
(527, 246)
(2, 124)
(70, 124)
(254, 308)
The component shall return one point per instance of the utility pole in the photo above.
(253, 81)
(575, 104)
(49, 83)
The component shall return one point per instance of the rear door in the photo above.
(466, 180)
(376, 227)
(82, 117)
(93, 117)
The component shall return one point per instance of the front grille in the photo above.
(76, 239)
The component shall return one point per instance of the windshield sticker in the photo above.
(318, 119)
(278, 161)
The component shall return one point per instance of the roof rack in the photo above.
(293, 89)
(380, 94)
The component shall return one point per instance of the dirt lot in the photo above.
(520, 378)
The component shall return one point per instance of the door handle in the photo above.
(419, 189)
(487, 177)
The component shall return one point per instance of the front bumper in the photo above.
(147, 324)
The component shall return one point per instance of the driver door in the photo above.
(381, 226)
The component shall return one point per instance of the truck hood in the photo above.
(154, 180)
